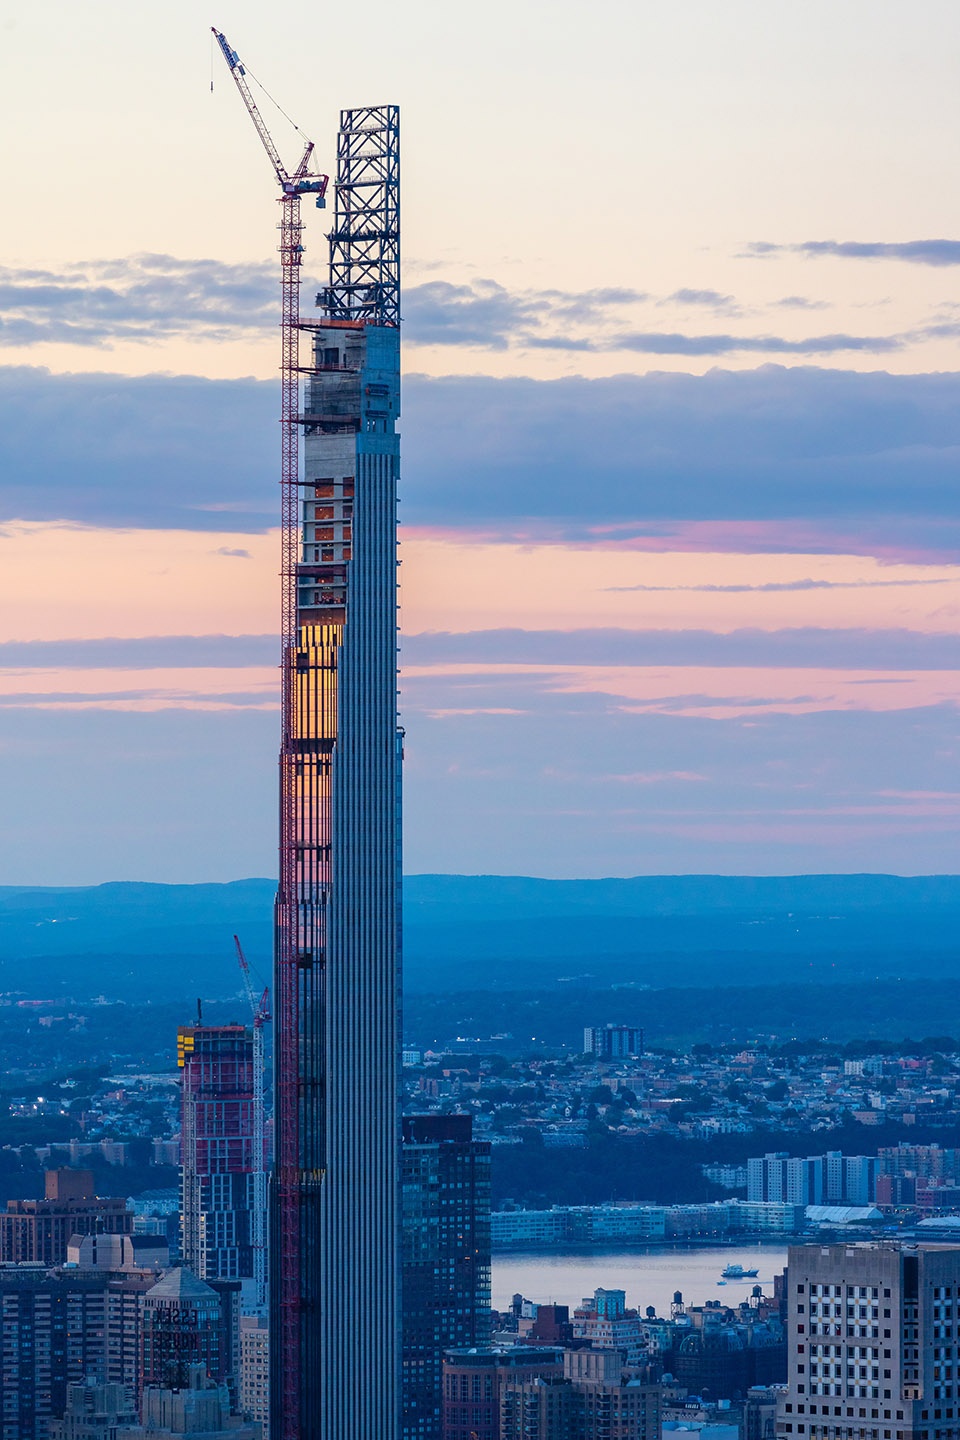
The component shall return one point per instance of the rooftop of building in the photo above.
(505, 1355)
(181, 1284)
(843, 1214)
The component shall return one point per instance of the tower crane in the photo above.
(260, 1009)
(286, 1281)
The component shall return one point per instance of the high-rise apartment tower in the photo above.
(613, 1042)
(334, 1272)
(217, 1150)
(446, 1258)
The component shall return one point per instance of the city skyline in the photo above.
(708, 465)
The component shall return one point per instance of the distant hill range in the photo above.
(494, 933)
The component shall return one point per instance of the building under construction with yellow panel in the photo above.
(335, 1308)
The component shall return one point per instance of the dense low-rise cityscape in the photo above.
(173, 1266)
(789, 1087)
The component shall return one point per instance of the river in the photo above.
(648, 1276)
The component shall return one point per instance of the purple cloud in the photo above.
(915, 252)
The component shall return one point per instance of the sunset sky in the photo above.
(681, 433)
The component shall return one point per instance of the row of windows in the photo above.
(819, 1430)
(825, 1410)
(853, 1312)
(863, 1372)
(860, 1331)
(851, 1391)
(857, 1352)
(865, 1292)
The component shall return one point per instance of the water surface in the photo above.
(649, 1276)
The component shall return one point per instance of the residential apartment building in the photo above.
(605, 1323)
(255, 1371)
(37, 1231)
(787, 1178)
(595, 1398)
(56, 1328)
(474, 1381)
(875, 1345)
(217, 1141)
(445, 1183)
(850, 1179)
(614, 1401)
(638, 1224)
(930, 1162)
(612, 1042)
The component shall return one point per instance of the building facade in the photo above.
(197, 1406)
(874, 1348)
(789, 1179)
(255, 1372)
(335, 1215)
(37, 1231)
(57, 1327)
(612, 1042)
(544, 1408)
(474, 1382)
(94, 1412)
(217, 1150)
(595, 1397)
(635, 1224)
(613, 1401)
(187, 1322)
(445, 1183)
(604, 1322)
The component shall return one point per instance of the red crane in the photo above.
(286, 1281)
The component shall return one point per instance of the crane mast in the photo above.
(260, 1010)
(287, 1169)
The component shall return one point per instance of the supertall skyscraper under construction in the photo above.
(335, 1324)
